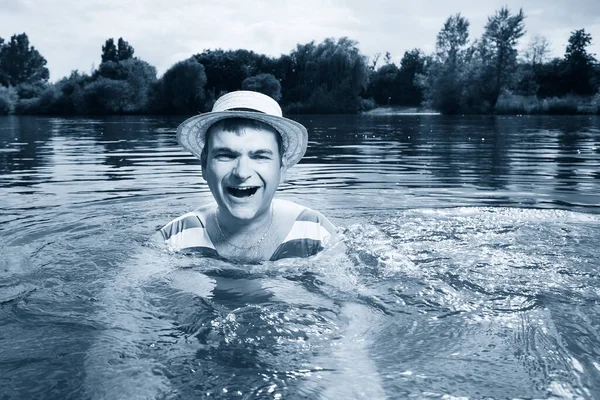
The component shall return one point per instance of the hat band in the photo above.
(245, 109)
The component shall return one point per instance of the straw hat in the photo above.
(245, 104)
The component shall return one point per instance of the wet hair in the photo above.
(237, 126)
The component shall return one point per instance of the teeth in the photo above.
(243, 191)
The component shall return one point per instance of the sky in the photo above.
(70, 34)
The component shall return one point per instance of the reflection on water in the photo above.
(424, 160)
(465, 267)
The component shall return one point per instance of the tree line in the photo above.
(485, 75)
(489, 75)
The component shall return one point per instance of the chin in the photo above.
(243, 214)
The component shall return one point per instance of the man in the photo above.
(245, 146)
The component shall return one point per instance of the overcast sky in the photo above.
(70, 34)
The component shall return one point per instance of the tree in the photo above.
(226, 70)
(579, 63)
(21, 63)
(444, 79)
(130, 81)
(390, 85)
(373, 61)
(107, 96)
(3, 77)
(576, 49)
(70, 98)
(326, 78)
(529, 72)
(263, 83)
(387, 58)
(109, 51)
(452, 39)
(383, 86)
(537, 51)
(122, 51)
(411, 66)
(501, 34)
(123, 76)
(141, 78)
(181, 89)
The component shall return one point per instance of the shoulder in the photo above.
(188, 231)
(311, 224)
(302, 216)
(193, 219)
(309, 232)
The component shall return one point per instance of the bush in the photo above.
(70, 97)
(569, 105)
(181, 89)
(140, 78)
(44, 104)
(30, 91)
(560, 106)
(512, 104)
(8, 98)
(5, 105)
(295, 108)
(107, 96)
(384, 86)
(27, 106)
(265, 84)
(367, 104)
(596, 103)
(327, 78)
(130, 81)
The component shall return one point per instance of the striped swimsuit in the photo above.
(307, 236)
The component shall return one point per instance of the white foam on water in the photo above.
(426, 298)
(495, 278)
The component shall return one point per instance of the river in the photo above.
(466, 265)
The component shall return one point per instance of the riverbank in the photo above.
(400, 110)
(511, 104)
(508, 104)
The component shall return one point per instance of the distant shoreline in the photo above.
(400, 110)
(512, 104)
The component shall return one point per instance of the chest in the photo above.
(251, 248)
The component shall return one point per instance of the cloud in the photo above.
(14, 7)
(70, 34)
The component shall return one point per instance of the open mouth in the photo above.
(241, 192)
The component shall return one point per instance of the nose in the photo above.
(242, 168)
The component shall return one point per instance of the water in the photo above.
(466, 265)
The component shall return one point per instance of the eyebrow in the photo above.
(262, 151)
(223, 150)
(231, 151)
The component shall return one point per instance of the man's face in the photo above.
(243, 171)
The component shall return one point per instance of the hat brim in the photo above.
(191, 133)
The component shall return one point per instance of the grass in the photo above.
(512, 104)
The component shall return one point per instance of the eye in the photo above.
(262, 156)
(224, 156)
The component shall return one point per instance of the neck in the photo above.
(235, 227)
